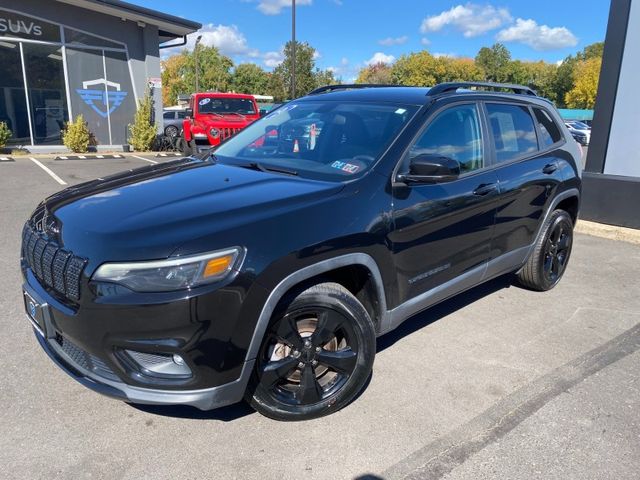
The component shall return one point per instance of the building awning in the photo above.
(169, 26)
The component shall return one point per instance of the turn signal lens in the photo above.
(218, 266)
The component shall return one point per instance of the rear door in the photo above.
(525, 141)
(443, 230)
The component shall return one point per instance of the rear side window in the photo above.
(167, 115)
(455, 133)
(549, 131)
(514, 133)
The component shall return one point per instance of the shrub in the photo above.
(143, 133)
(76, 135)
(5, 134)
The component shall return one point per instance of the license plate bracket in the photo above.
(35, 313)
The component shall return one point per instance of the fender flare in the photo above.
(306, 273)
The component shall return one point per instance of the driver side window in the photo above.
(455, 133)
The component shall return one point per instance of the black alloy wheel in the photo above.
(171, 131)
(548, 260)
(315, 356)
(556, 251)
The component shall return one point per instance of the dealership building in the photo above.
(63, 58)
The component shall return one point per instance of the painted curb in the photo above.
(611, 232)
(6, 159)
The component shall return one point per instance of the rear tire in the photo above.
(548, 261)
(186, 147)
(316, 356)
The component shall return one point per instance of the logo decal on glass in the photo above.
(102, 100)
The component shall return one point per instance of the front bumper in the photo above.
(85, 343)
(205, 399)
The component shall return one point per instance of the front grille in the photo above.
(228, 132)
(55, 267)
(84, 360)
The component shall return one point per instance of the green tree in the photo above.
(565, 74)
(541, 76)
(494, 62)
(585, 84)
(250, 78)
(305, 64)
(324, 77)
(418, 69)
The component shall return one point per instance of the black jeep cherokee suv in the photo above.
(267, 268)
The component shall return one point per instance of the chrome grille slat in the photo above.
(53, 266)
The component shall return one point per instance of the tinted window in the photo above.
(167, 115)
(513, 131)
(455, 133)
(549, 131)
(225, 105)
(182, 114)
(325, 140)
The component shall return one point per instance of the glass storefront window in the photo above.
(47, 92)
(13, 104)
(122, 101)
(74, 37)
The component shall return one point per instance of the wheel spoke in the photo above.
(288, 331)
(548, 262)
(328, 323)
(548, 245)
(555, 266)
(564, 242)
(309, 390)
(277, 370)
(342, 361)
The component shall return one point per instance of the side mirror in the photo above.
(431, 168)
(188, 112)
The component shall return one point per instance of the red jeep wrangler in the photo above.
(214, 117)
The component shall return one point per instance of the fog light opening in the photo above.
(159, 365)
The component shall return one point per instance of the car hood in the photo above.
(149, 212)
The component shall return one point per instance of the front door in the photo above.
(442, 232)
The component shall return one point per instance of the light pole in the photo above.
(195, 53)
(293, 49)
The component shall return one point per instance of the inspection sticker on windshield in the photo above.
(345, 167)
(204, 101)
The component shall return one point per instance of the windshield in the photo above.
(315, 139)
(243, 106)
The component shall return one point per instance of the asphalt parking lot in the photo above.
(499, 382)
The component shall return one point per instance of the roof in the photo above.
(407, 95)
(169, 26)
(412, 95)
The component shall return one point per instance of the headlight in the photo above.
(173, 273)
(214, 132)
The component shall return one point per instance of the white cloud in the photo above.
(539, 37)
(274, 7)
(273, 59)
(380, 57)
(471, 19)
(227, 38)
(343, 69)
(448, 54)
(389, 41)
(425, 41)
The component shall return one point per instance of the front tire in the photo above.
(548, 261)
(316, 356)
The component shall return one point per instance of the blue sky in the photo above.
(348, 34)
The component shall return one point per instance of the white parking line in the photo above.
(46, 169)
(145, 159)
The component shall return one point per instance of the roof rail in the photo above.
(349, 86)
(453, 86)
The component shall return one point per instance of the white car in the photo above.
(580, 131)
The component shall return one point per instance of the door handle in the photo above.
(549, 168)
(485, 189)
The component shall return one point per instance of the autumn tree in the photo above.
(378, 73)
(585, 84)
(173, 81)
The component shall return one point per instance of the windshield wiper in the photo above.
(267, 168)
(236, 113)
